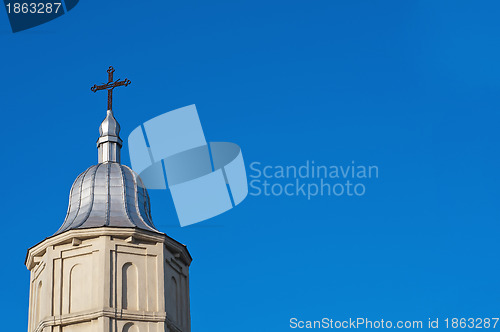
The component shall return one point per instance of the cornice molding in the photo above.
(87, 316)
(89, 233)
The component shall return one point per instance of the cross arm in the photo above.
(110, 85)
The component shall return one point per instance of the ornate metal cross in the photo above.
(110, 86)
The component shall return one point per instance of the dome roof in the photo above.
(108, 194)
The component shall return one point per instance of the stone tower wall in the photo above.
(109, 279)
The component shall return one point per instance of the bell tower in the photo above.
(108, 269)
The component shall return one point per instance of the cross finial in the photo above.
(110, 86)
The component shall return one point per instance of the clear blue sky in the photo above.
(410, 86)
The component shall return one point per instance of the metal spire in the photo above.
(109, 142)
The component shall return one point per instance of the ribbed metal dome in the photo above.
(108, 194)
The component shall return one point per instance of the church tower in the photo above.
(108, 269)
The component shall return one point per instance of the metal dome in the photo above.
(108, 194)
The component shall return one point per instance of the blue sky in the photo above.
(409, 86)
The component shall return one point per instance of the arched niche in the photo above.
(130, 287)
(38, 300)
(130, 327)
(174, 293)
(79, 289)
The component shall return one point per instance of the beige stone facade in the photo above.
(109, 279)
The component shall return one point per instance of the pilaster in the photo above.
(106, 280)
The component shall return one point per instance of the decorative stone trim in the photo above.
(83, 317)
(81, 234)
